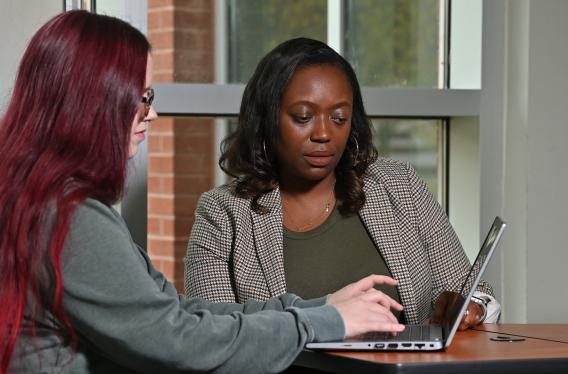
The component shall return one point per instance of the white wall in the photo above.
(523, 154)
(547, 114)
(463, 173)
(463, 176)
(465, 44)
(18, 22)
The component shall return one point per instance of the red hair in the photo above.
(65, 137)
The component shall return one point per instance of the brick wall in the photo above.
(181, 162)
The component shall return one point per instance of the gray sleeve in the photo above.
(123, 307)
(207, 271)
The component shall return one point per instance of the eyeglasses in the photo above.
(147, 100)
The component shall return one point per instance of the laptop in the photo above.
(427, 337)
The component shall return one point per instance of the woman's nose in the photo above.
(152, 115)
(320, 132)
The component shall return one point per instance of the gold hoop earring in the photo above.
(355, 159)
(264, 149)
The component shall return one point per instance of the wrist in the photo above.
(330, 299)
(482, 303)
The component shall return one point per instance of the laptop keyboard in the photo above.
(410, 333)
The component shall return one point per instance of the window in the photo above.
(205, 50)
(395, 43)
(390, 43)
(257, 26)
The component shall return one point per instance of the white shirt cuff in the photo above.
(493, 307)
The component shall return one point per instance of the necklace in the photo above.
(313, 222)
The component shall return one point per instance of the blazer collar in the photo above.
(268, 238)
(378, 217)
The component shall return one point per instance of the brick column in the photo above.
(181, 162)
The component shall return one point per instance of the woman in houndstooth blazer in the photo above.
(303, 136)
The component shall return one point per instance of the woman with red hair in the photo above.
(77, 294)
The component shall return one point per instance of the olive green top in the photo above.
(334, 254)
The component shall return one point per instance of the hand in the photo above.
(471, 318)
(365, 285)
(365, 309)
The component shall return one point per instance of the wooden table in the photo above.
(471, 351)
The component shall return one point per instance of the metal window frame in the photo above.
(202, 99)
(223, 100)
(90, 5)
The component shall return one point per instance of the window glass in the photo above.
(393, 43)
(390, 43)
(416, 141)
(109, 7)
(257, 26)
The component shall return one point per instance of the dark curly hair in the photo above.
(247, 153)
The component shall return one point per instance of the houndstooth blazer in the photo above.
(235, 254)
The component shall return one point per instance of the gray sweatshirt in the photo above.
(128, 317)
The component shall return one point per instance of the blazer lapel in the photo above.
(378, 217)
(269, 244)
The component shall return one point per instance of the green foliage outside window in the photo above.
(393, 43)
(389, 43)
(257, 26)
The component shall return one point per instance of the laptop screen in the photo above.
(457, 304)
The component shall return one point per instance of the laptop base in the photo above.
(379, 346)
(413, 338)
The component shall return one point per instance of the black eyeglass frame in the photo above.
(147, 100)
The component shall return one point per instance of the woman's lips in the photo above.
(318, 160)
(140, 134)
